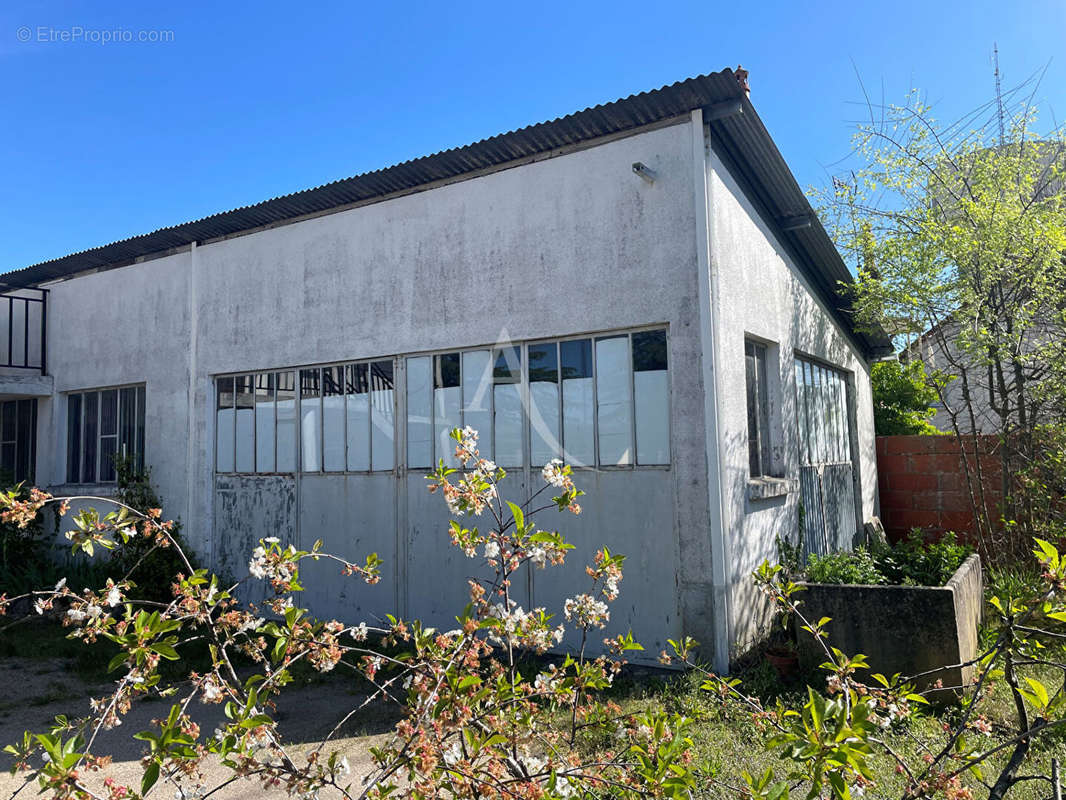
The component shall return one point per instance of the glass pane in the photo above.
(244, 399)
(224, 421)
(765, 451)
(141, 410)
(109, 411)
(477, 398)
(89, 421)
(614, 414)
(108, 451)
(578, 440)
(801, 413)
(23, 445)
(507, 406)
(649, 351)
(333, 437)
(264, 422)
(447, 405)
(127, 417)
(9, 414)
(751, 379)
(358, 398)
(507, 428)
(545, 434)
(419, 412)
(286, 410)
(73, 439)
(383, 416)
(310, 420)
(651, 397)
(7, 463)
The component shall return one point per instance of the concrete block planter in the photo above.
(904, 629)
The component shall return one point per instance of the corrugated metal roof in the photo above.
(744, 135)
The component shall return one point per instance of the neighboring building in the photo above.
(641, 286)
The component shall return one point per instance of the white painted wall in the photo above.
(568, 244)
(762, 294)
(565, 245)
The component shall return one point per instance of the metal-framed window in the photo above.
(103, 424)
(592, 400)
(18, 440)
(332, 418)
(758, 396)
(822, 403)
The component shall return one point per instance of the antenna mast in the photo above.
(999, 92)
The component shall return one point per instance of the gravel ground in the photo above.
(34, 691)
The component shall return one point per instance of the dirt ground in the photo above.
(34, 691)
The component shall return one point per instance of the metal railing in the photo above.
(24, 331)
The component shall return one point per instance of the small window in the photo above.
(614, 402)
(382, 416)
(311, 420)
(244, 401)
(109, 423)
(579, 441)
(420, 412)
(447, 404)
(333, 419)
(507, 406)
(286, 410)
(265, 420)
(759, 453)
(18, 441)
(358, 412)
(651, 397)
(477, 397)
(545, 434)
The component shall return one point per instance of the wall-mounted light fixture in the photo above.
(644, 171)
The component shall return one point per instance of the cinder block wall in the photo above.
(922, 483)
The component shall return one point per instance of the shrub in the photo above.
(911, 562)
(857, 566)
(153, 569)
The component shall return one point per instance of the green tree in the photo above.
(903, 399)
(957, 233)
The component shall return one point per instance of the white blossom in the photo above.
(492, 549)
(114, 596)
(39, 606)
(76, 614)
(454, 754)
(586, 611)
(553, 473)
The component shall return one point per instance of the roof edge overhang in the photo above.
(735, 126)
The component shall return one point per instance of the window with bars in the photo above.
(822, 403)
(103, 424)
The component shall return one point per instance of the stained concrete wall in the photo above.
(762, 294)
(569, 244)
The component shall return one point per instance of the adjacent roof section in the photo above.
(742, 136)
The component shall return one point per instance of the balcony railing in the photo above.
(24, 329)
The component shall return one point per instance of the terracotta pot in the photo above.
(785, 662)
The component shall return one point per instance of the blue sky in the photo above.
(248, 101)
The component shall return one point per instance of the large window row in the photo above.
(345, 415)
(590, 401)
(101, 425)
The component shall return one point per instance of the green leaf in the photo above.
(151, 775)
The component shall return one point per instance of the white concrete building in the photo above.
(640, 287)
